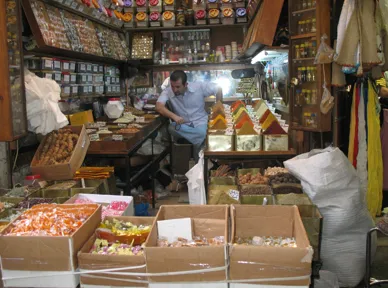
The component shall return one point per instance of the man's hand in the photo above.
(178, 120)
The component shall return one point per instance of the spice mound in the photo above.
(51, 220)
(253, 179)
(196, 242)
(266, 241)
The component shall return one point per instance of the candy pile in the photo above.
(51, 220)
(25, 204)
(197, 241)
(115, 208)
(267, 241)
(253, 179)
(103, 247)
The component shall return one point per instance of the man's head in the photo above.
(178, 82)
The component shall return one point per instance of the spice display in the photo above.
(266, 241)
(142, 45)
(271, 171)
(123, 232)
(128, 130)
(62, 185)
(103, 247)
(252, 179)
(28, 203)
(57, 147)
(59, 39)
(51, 220)
(87, 35)
(223, 171)
(197, 241)
(287, 188)
(21, 191)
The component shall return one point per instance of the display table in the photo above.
(243, 156)
(133, 144)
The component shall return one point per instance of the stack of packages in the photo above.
(240, 127)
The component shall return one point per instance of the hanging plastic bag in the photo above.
(196, 183)
(325, 53)
(327, 102)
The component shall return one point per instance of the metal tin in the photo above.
(217, 142)
(275, 142)
(248, 143)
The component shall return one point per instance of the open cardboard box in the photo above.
(63, 171)
(88, 261)
(40, 256)
(263, 262)
(208, 221)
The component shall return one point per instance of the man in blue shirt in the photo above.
(188, 108)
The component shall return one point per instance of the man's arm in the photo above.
(162, 110)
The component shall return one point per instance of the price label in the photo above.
(140, 119)
(57, 77)
(66, 66)
(121, 125)
(48, 64)
(94, 137)
(82, 67)
(74, 5)
(117, 137)
(234, 194)
(101, 123)
(229, 132)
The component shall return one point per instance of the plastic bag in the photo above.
(196, 183)
(326, 279)
(325, 53)
(146, 148)
(327, 102)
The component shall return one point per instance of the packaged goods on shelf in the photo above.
(168, 19)
(38, 254)
(208, 221)
(227, 16)
(68, 157)
(89, 259)
(275, 221)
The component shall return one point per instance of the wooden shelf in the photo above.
(304, 11)
(308, 129)
(199, 66)
(301, 36)
(89, 96)
(250, 154)
(73, 11)
(304, 59)
(196, 27)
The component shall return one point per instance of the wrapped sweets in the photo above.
(197, 241)
(267, 241)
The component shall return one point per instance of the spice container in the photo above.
(297, 52)
(141, 19)
(241, 15)
(98, 78)
(141, 6)
(65, 77)
(200, 17)
(83, 90)
(81, 67)
(308, 69)
(189, 16)
(73, 90)
(169, 5)
(46, 63)
(155, 19)
(301, 27)
(56, 64)
(57, 77)
(313, 25)
(307, 26)
(65, 90)
(94, 68)
(227, 16)
(180, 18)
(302, 51)
(299, 74)
(307, 97)
(168, 19)
(98, 89)
(313, 48)
(114, 108)
(214, 16)
(155, 5)
(306, 49)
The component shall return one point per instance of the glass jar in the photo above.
(309, 4)
(313, 120)
(189, 17)
(180, 18)
(301, 96)
(307, 119)
(310, 49)
(313, 28)
(301, 25)
(306, 50)
(307, 26)
(304, 4)
(114, 108)
(299, 74)
(297, 52)
(313, 74)
(314, 97)
(304, 75)
(313, 48)
(297, 97)
(308, 74)
(301, 51)
(307, 97)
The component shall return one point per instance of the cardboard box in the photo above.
(66, 170)
(189, 285)
(41, 256)
(208, 221)
(88, 261)
(263, 262)
(81, 118)
(106, 200)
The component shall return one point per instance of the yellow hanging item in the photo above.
(352, 126)
(374, 195)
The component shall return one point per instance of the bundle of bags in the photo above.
(42, 96)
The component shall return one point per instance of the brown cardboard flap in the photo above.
(197, 211)
(209, 228)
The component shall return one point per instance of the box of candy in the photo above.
(45, 240)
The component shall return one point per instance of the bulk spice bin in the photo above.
(49, 260)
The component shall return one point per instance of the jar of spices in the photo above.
(308, 74)
(304, 74)
(313, 74)
(307, 119)
(313, 28)
(309, 3)
(306, 50)
(308, 96)
(299, 74)
(297, 97)
(189, 17)
(180, 18)
(297, 52)
(304, 4)
(314, 97)
(301, 27)
(313, 48)
(307, 26)
(301, 50)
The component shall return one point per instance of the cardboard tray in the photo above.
(88, 261)
(258, 262)
(66, 170)
(208, 221)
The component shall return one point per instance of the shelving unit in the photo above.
(199, 66)
(305, 113)
(13, 116)
(243, 25)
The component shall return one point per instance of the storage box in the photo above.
(218, 141)
(263, 262)
(248, 143)
(23, 256)
(106, 200)
(81, 118)
(88, 261)
(66, 170)
(208, 221)
(275, 142)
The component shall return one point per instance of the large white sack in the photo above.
(331, 182)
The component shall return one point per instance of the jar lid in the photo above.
(154, 2)
(141, 16)
(32, 177)
(168, 15)
(140, 3)
(200, 14)
(154, 16)
(241, 12)
(213, 13)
